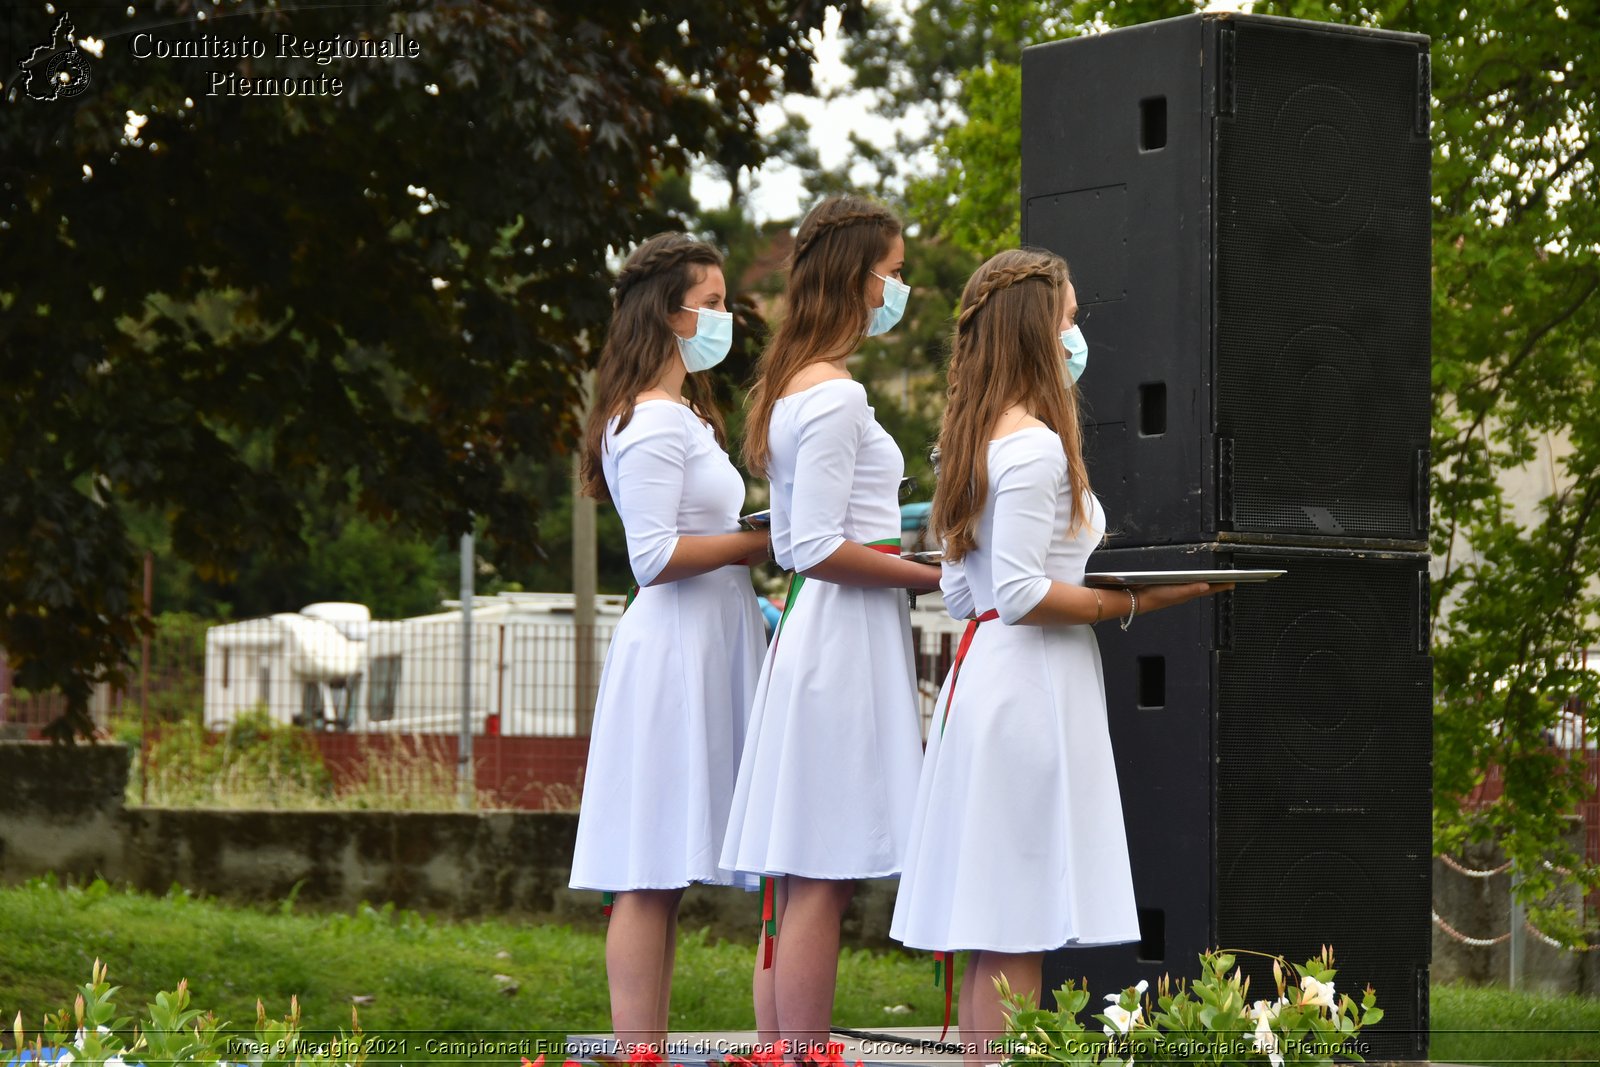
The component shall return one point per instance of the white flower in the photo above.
(1320, 993)
(1267, 1041)
(1122, 1018)
(1142, 986)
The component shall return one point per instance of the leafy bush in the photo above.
(172, 1032)
(1211, 1021)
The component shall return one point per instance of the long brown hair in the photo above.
(836, 246)
(1007, 350)
(653, 283)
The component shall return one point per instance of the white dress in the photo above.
(681, 671)
(1018, 842)
(830, 765)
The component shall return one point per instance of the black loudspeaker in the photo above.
(1274, 753)
(1244, 203)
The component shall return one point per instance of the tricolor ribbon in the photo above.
(961, 655)
(944, 967)
(944, 963)
(769, 921)
(889, 546)
(769, 906)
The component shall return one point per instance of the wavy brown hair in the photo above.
(1007, 350)
(653, 283)
(836, 246)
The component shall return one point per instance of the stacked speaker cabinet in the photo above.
(1244, 204)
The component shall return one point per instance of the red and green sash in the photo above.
(769, 903)
(944, 963)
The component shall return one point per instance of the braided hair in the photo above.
(653, 282)
(1006, 350)
(835, 248)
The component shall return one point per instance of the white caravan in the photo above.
(303, 668)
(523, 668)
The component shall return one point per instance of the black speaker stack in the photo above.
(1244, 204)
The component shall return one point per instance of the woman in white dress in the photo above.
(830, 765)
(1017, 845)
(683, 662)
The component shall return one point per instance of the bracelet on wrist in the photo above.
(1099, 606)
(1133, 609)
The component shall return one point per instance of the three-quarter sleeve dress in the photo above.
(680, 673)
(1017, 844)
(830, 765)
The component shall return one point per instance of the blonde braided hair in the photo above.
(1006, 351)
(809, 236)
(1002, 278)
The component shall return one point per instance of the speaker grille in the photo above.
(1327, 698)
(1291, 885)
(1279, 799)
(1322, 284)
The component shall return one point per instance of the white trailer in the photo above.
(523, 668)
(303, 668)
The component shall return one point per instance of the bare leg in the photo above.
(988, 1019)
(966, 1021)
(637, 967)
(669, 956)
(761, 984)
(807, 959)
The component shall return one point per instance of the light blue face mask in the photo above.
(895, 294)
(713, 337)
(1077, 351)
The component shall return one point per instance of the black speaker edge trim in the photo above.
(1235, 539)
(1313, 550)
(1240, 18)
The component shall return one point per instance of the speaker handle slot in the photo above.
(1152, 124)
(1152, 409)
(1152, 682)
(1152, 935)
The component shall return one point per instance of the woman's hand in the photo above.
(1155, 597)
(764, 553)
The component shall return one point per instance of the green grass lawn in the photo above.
(432, 980)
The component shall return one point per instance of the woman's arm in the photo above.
(825, 466)
(853, 564)
(1026, 491)
(651, 454)
(957, 590)
(1070, 604)
(696, 554)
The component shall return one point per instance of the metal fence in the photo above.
(365, 676)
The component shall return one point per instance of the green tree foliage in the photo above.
(1516, 366)
(971, 197)
(223, 310)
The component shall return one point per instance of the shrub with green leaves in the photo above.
(90, 1034)
(1211, 1020)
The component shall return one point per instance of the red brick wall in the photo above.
(531, 773)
